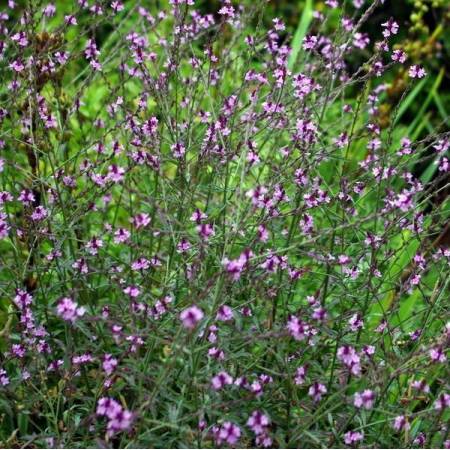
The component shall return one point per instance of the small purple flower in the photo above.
(40, 213)
(220, 380)
(235, 267)
(300, 375)
(224, 313)
(348, 356)
(70, 20)
(228, 432)
(191, 316)
(316, 391)
(49, 10)
(205, 231)
(352, 437)
(437, 355)
(401, 424)
(216, 353)
(132, 291)
(69, 310)
(355, 322)
(421, 385)
(420, 439)
(120, 419)
(364, 399)
(141, 220)
(361, 40)
(399, 56)
(309, 42)
(442, 402)
(94, 245)
(4, 380)
(109, 364)
(297, 329)
(178, 150)
(107, 407)
(258, 422)
(416, 72)
(390, 28)
(198, 216)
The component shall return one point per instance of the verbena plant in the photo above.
(212, 236)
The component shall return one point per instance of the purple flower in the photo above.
(198, 216)
(401, 424)
(297, 329)
(141, 220)
(437, 355)
(115, 173)
(221, 380)
(416, 72)
(70, 20)
(421, 386)
(69, 310)
(355, 322)
(109, 364)
(178, 150)
(235, 267)
(420, 439)
(191, 316)
(258, 422)
(224, 313)
(300, 375)
(309, 42)
(132, 291)
(390, 28)
(205, 231)
(347, 355)
(120, 419)
(364, 399)
(399, 56)
(228, 432)
(361, 40)
(22, 299)
(352, 437)
(4, 380)
(49, 10)
(216, 353)
(94, 245)
(316, 391)
(107, 407)
(442, 402)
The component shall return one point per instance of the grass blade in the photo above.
(300, 33)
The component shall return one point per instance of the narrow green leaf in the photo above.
(419, 117)
(410, 98)
(300, 33)
(440, 106)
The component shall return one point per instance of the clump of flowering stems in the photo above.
(207, 239)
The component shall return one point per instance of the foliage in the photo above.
(216, 233)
